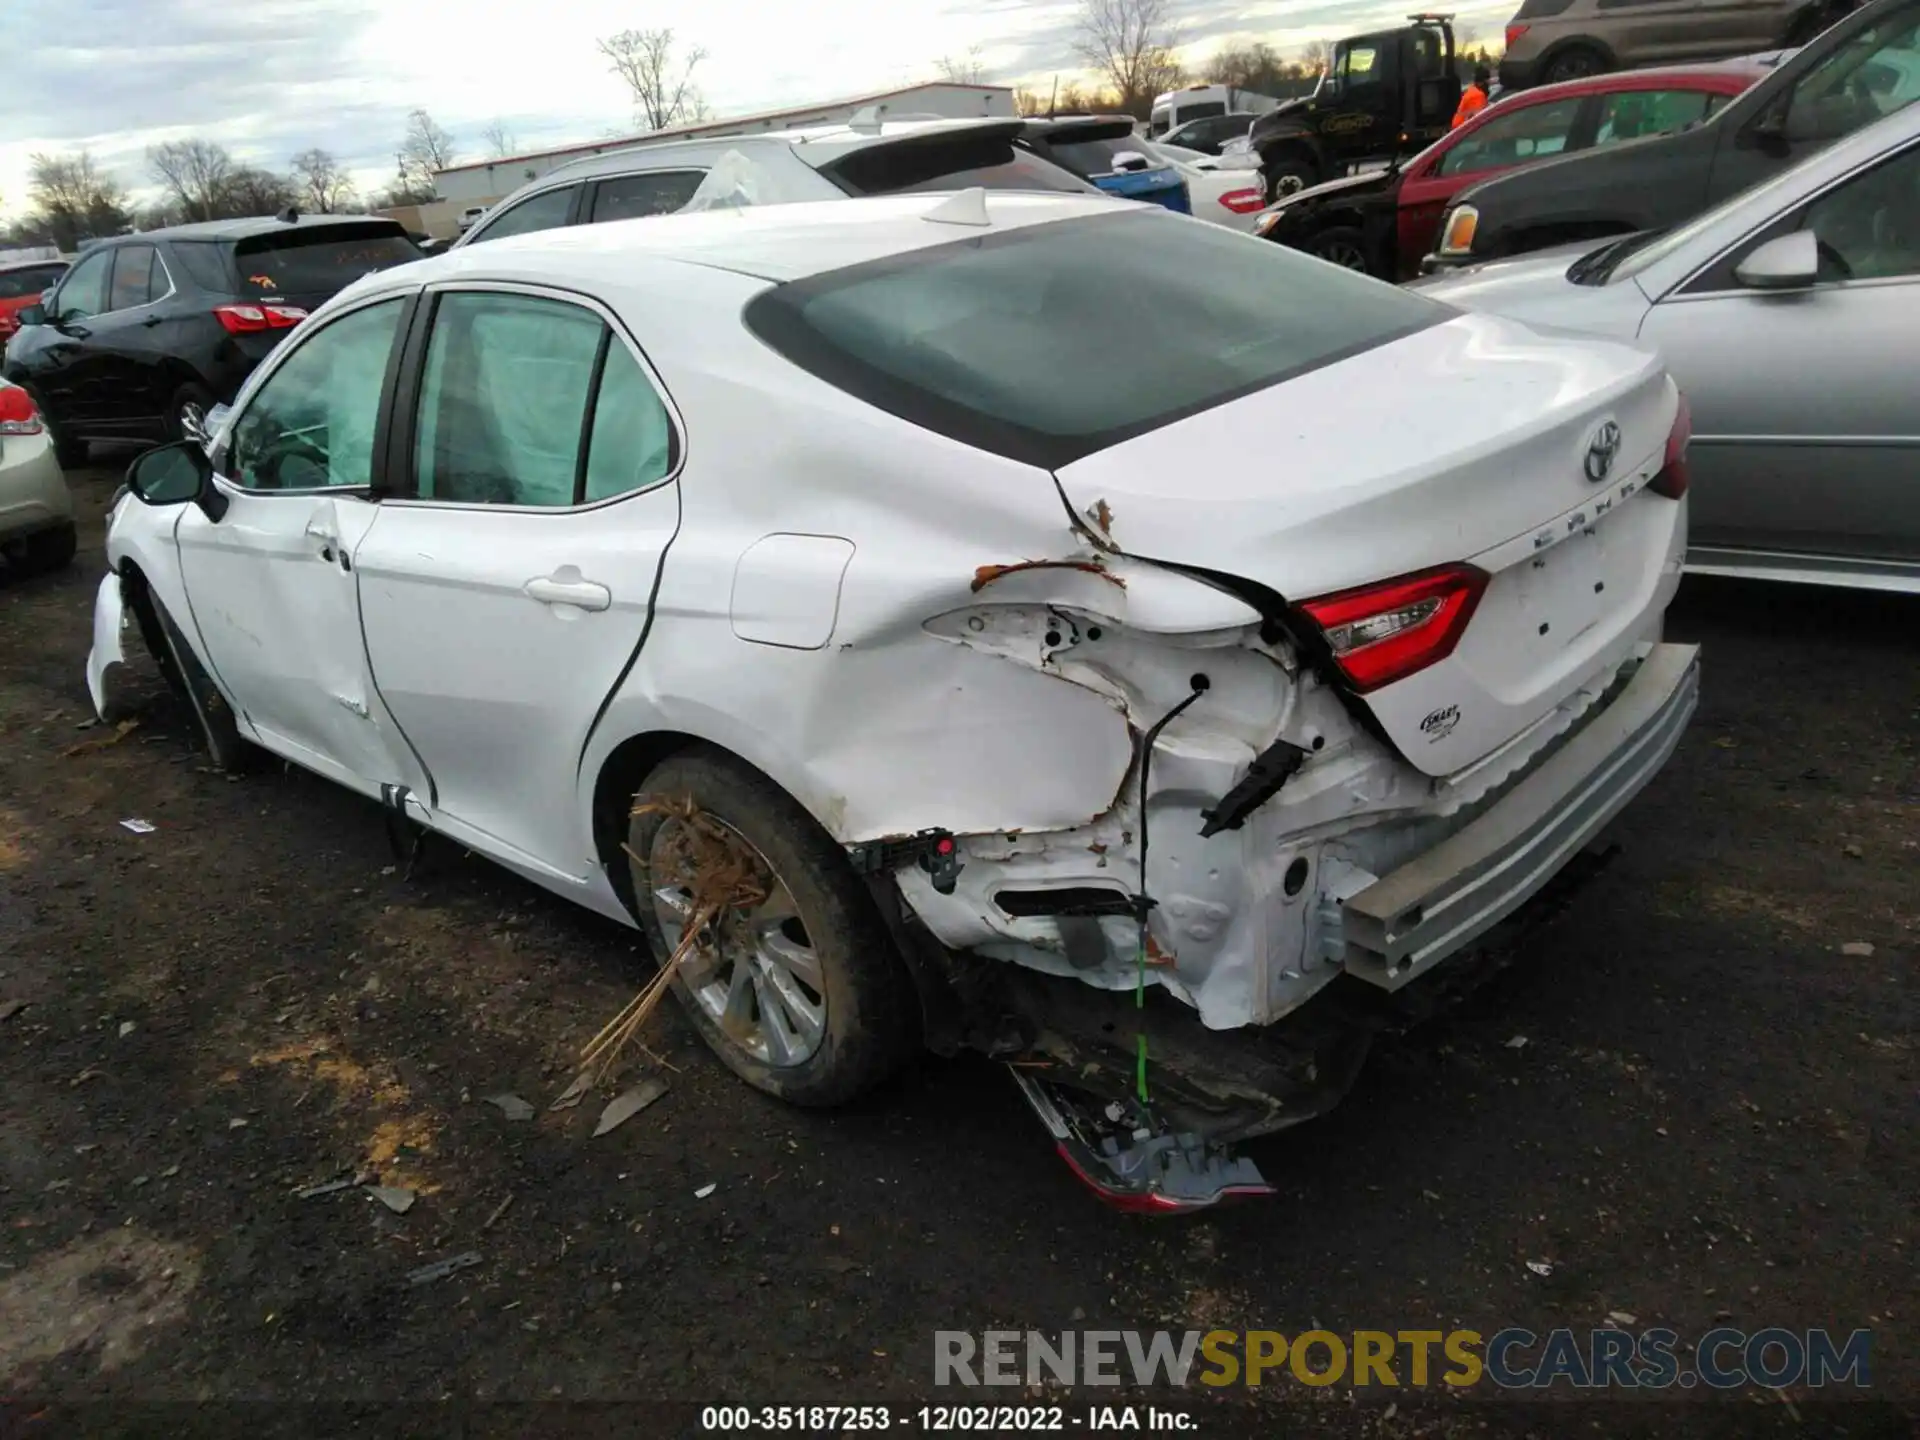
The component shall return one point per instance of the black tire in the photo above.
(188, 397)
(1575, 62)
(1287, 177)
(1341, 245)
(871, 1023)
(49, 550)
(71, 453)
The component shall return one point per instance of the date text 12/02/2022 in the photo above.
(938, 1419)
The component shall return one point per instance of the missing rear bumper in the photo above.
(1408, 921)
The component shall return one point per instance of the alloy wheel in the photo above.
(1344, 253)
(754, 972)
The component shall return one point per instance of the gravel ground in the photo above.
(1711, 1119)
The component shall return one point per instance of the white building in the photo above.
(485, 181)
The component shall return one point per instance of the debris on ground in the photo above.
(126, 1028)
(1540, 1267)
(328, 1187)
(705, 1190)
(625, 1106)
(393, 1197)
(575, 1092)
(237, 1123)
(718, 872)
(1518, 1042)
(138, 826)
(11, 1008)
(494, 1218)
(511, 1106)
(440, 1269)
(102, 742)
(1860, 949)
(1619, 1317)
(1853, 852)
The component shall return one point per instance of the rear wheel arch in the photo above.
(1581, 46)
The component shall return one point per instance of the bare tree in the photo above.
(424, 149)
(1315, 57)
(659, 78)
(252, 191)
(1032, 102)
(1256, 67)
(501, 142)
(1131, 44)
(74, 200)
(193, 174)
(324, 187)
(969, 69)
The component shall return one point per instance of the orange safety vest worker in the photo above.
(1471, 104)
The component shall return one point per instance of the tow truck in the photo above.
(1384, 94)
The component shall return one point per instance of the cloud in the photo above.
(269, 78)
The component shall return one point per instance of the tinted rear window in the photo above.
(1051, 342)
(17, 284)
(319, 259)
(206, 263)
(959, 163)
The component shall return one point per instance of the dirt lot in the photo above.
(1712, 1117)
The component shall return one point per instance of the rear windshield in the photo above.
(17, 284)
(1093, 157)
(957, 163)
(318, 259)
(1050, 342)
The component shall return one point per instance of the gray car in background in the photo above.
(1548, 41)
(1790, 317)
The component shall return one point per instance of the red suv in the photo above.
(1386, 221)
(21, 284)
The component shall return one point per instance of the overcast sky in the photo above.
(268, 78)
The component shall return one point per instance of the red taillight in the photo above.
(1382, 633)
(1514, 32)
(1672, 479)
(17, 413)
(251, 319)
(1244, 202)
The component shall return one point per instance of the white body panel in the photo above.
(905, 632)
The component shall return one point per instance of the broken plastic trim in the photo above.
(1271, 769)
(934, 851)
(1135, 1164)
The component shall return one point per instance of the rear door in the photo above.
(508, 585)
(127, 341)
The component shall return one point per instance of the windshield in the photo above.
(319, 259)
(1026, 342)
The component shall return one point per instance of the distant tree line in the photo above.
(73, 199)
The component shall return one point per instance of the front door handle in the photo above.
(566, 587)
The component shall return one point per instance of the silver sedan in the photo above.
(1791, 318)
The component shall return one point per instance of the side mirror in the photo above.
(34, 314)
(174, 475)
(1787, 262)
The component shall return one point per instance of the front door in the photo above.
(507, 588)
(55, 354)
(1805, 432)
(272, 584)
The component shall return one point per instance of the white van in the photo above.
(1196, 102)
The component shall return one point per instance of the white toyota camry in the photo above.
(1167, 728)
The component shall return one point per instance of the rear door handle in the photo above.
(565, 587)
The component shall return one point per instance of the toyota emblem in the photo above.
(1601, 451)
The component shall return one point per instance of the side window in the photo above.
(546, 211)
(1872, 75)
(1513, 139)
(505, 407)
(132, 277)
(84, 291)
(630, 197)
(1869, 227)
(632, 443)
(1629, 114)
(206, 265)
(311, 425)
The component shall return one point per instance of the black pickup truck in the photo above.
(1853, 74)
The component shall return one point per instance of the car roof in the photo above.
(771, 242)
(10, 265)
(817, 145)
(1720, 74)
(252, 225)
